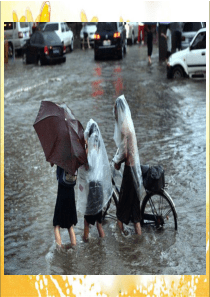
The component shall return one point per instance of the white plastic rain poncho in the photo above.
(95, 186)
(125, 139)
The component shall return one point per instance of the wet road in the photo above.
(170, 121)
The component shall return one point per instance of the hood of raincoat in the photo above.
(126, 142)
(94, 183)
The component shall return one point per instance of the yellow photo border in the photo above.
(41, 285)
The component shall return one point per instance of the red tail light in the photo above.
(64, 49)
(97, 36)
(183, 38)
(117, 35)
(46, 51)
(20, 34)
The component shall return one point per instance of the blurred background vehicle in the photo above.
(44, 48)
(132, 29)
(190, 61)
(16, 33)
(62, 30)
(91, 29)
(110, 40)
(188, 32)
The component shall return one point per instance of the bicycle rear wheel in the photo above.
(158, 210)
(111, 207)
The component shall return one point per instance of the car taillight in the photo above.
(97, 36)
(20, 34)
(46, 51)
(183, 38)
(64, 49)
(117, 35)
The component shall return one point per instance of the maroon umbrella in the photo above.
(61, 136)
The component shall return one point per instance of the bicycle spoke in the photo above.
(156, 209)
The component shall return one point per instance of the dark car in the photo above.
(110, 39)
(44, 48)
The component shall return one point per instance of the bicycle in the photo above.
(157, 207)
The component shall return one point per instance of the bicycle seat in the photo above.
(144, 169)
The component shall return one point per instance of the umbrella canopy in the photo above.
(61, 136)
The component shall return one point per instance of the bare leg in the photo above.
(137, 228)
(88, 42)
(72, 236)
(83, 45)
(120, 225)
(100, 230)
(86, 230)
(57, 235)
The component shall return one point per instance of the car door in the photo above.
(68, 34)
(31, 50)
(196, 58)
(63, 33)
(122, 31)
(38, 46)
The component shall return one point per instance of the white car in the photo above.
(62, 30)
(188, 32)
(191, 61)
(132, 32)
(16, 36)
(91, 28)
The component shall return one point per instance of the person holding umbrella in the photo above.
(95, 186)
(62, 138)
(128, 208)
(65, 215)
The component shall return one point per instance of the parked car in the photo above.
(62, 30)
(16, 36)
(132, 29)
(110, 39)
(44, 48)
(91, 29)
(191, 61)
(188, 32)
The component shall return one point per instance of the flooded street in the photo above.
(170, 122)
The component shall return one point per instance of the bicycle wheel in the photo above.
(111, 207)
(158, 210)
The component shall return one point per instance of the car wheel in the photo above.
(96, 57)
(25, 60)
(125, 47)
(177, 72)
(71, 47)
(121, 52)
(39, 61)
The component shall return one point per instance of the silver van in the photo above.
(188, 32)
(16, 34)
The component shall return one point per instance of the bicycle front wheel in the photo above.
(158, 210)
(111, 207)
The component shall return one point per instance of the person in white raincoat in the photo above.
(95, 186)
(132, 184)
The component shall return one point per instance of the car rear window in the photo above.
(24, 25)
(51, 27)
(51, 38)
(107, 26)
(192, 27)
(9, 26)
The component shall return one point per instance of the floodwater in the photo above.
(170, 122)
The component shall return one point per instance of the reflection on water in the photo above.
(169, 118)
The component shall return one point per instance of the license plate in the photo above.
(107, 42)
(56, 51)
